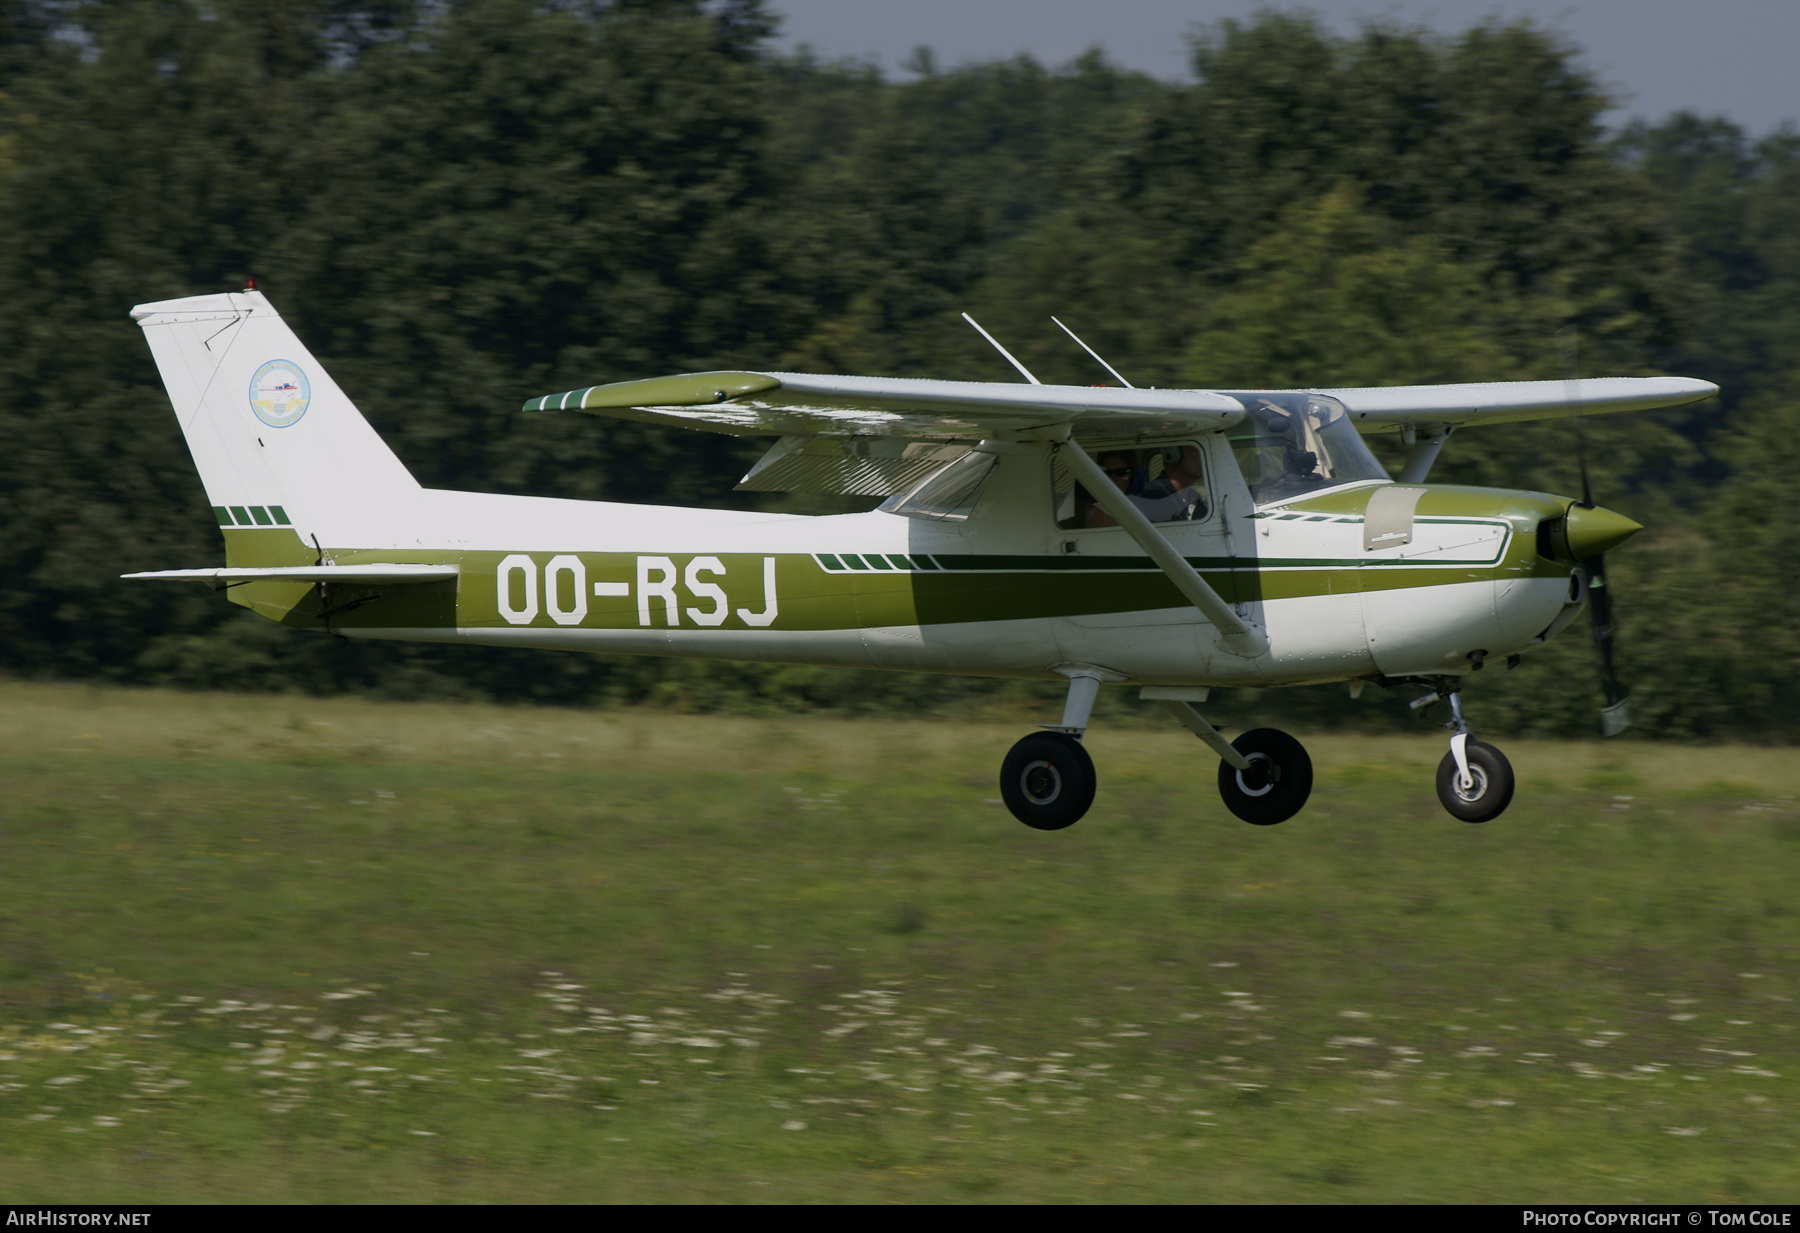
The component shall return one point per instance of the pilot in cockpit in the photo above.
(1176, 495)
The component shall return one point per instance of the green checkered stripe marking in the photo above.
(1281, 516)
(251, 516)
(854, 562)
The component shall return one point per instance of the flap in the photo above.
(852, 466)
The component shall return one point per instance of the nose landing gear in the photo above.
(1474, 781)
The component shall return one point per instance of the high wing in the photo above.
(878, 436)
(805, 404)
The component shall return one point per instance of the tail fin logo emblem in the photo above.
(279, 393)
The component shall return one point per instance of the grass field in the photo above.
(267, 948)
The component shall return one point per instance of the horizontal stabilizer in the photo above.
(355, 575)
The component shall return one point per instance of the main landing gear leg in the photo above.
(1265, 775)
(1474, 781)
(1047, 780)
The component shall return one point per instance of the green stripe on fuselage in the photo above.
(811, 598)
(825, 592)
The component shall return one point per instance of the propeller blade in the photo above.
(1615, 716)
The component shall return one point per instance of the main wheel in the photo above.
(1047, 780)
(1278, 782)
(1489, 794)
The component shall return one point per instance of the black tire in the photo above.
(1047, 781)
(1278, 782)
(1493, 790)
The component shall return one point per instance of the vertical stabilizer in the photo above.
(277, 443)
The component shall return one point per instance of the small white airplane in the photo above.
(1174, 540)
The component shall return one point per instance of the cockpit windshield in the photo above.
(1294, 445)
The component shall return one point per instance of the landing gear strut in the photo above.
(1047, 780)
(1474, 781)
(1265, 775)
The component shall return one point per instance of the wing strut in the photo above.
(1238, 635)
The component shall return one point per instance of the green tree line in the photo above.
(462, 204)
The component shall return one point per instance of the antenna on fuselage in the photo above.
(1109, 368)
(1023, 371)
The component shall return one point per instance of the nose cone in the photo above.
(1594, 531)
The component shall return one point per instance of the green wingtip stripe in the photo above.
(685, 390)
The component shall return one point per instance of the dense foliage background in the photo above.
(461, 204)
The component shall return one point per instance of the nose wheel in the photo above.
(1474, 781)
(1479, 788)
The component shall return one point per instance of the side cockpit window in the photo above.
(1166, 483)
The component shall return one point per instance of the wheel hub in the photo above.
(1263, 774)
(1041, 782)
(1475, 789)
